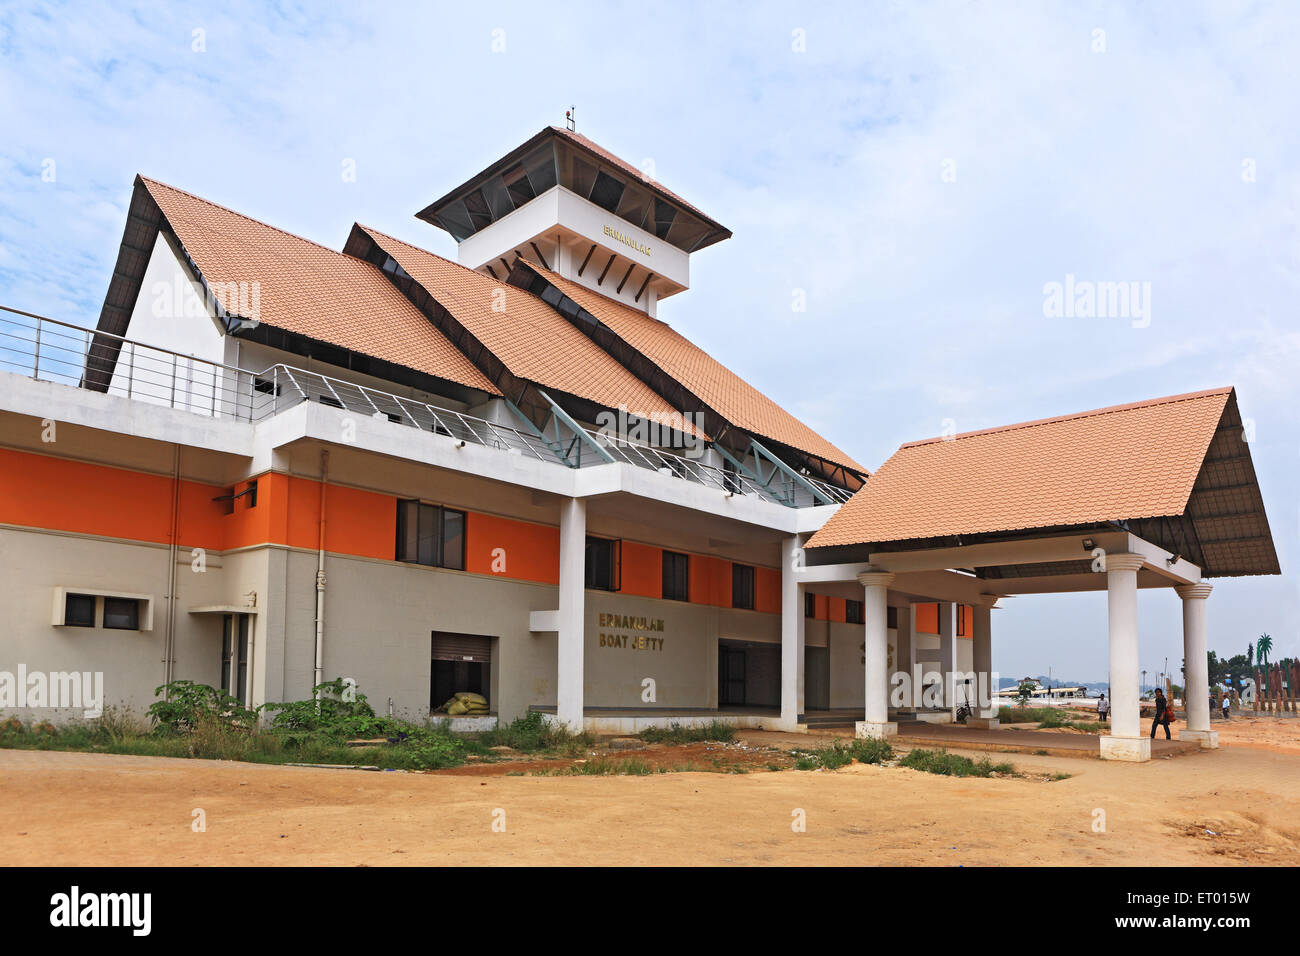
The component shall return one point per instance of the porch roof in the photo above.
(1175, 471)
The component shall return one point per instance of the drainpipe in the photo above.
(169, 643)
(320, 577)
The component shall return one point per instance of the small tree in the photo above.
(1025, 692)
(1263, 648)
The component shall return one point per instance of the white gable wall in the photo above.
(170, 314)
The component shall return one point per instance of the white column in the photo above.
(948, 653)
(571, 626)
(1126, 740)
(792, 635)
(875, 610)
(982, 663)
(917, 676)
(1196, 677)
(903, 662)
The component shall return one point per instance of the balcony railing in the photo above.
(55, 351)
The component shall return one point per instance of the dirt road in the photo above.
(71, 809)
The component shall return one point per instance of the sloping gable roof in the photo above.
(717, 386)
(530, 338)
(1159, 459)
(308, 289)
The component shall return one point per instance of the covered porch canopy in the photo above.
(1154, 494)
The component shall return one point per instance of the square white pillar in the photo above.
(1196, 692)
(792, 635)
(982, 663)
(905, 656)
(948, 653)
(571, 617)
(875, 612)
(1126, 740)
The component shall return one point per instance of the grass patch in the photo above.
(1053, 716)
(603, 766)
(953, 765)
(1047, 718)
(716, 731)
(864, 750)
(531, 734)
(201, 722)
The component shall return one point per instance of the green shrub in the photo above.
(531, 734)
(188, 704)
(1027, 715)
(863, 750)
(715, 731)
(333, 711)
(953, 765)
(603, 766)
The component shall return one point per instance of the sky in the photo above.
(915, 174)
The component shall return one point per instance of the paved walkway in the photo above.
(1024, 741)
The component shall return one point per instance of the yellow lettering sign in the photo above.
(617, 236)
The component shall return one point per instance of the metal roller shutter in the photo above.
(461, 647)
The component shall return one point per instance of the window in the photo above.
(961, 620)
(251, 494)
(79, 610)
(430, 535)
(603, 564)
(742, 586)
(677, 576)
(121, 614)
(607, 191)
(664, 215)
(853, 612)
(266, 386)
(809, 604)
(891, 617)
(331, 401)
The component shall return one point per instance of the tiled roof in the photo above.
(308, 289)
(532, 340)
(708, 379)
(1114, 464)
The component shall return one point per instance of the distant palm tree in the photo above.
(1265, 646)
(1250, 655)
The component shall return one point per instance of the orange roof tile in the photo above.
(708, 379)
(311, 290)
(1112, 464)
(533, 340)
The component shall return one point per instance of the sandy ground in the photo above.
(93, 809)
(1274, 734)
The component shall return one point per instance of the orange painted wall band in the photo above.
(60, 494)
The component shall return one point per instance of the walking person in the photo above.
(1227, 702)
(1164, 714)
(1103, 708)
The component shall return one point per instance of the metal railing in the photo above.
(55, 351)
(282, 386)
